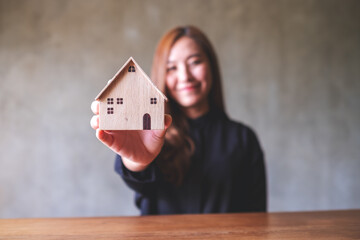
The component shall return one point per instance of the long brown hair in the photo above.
(174, 159)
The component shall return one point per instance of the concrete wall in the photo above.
(291, 70)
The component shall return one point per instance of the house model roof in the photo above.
(113, 80)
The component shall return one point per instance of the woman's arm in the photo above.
(142, 182)
(257, 176)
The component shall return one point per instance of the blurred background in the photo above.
(291, 70)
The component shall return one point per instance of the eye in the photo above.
(170, 68)
(196, 61)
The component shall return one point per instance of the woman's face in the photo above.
(188, 77)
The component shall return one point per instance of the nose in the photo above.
(184, 74)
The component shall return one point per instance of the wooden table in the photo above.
(297, 225)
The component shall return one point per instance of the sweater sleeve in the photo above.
(142, 182)
(257, 175)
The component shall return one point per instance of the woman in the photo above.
(202, 162)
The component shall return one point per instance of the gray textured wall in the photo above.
(291, 70)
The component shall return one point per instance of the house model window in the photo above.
(119, 101)
(131, 69)
(153, 101)
(110, 101)
(110, 110)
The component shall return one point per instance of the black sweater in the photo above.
(227, 173)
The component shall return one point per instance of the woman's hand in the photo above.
(137, 148)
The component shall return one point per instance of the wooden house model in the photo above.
(131, 101)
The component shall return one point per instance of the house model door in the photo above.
(147, 122)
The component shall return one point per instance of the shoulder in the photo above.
(245, 132)
(237, 132)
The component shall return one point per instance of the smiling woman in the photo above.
(201, 163)
(188, 78)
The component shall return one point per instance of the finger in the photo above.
(105, 137)
(94, 122)
(95, 107)
(168, 121)
(159, 134)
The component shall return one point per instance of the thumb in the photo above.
(158, 135)
(167, 122)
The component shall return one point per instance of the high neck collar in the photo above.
(207, 117)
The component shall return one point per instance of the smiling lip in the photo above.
(190, 87)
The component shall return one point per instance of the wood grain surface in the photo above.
(139, 97)
(296, 225)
